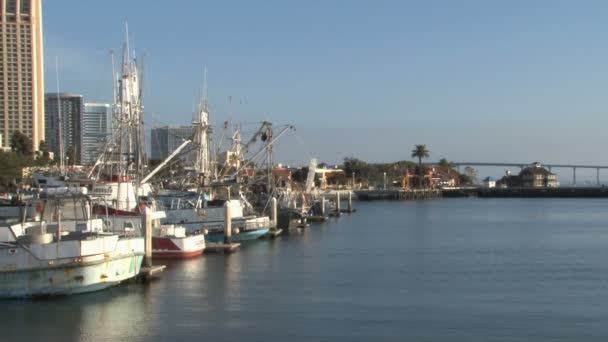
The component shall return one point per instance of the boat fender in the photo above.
(206, 231)
(236, 230)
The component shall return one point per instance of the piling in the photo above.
(146, 225)
(338, 201)
(336, 212)
(228, 226)
(274, 230)
(323, 206)
(273, 211)
(148, 270)
(349, 209)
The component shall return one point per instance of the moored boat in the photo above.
(62, 257)
(169, 241)
(198, 214)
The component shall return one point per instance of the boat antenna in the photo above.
(127, 40)
(205, 97)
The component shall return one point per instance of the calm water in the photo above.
(449, 270)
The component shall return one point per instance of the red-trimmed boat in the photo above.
(170, 241)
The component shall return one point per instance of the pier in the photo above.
(550, 167)
(561, 192)
(398, 194)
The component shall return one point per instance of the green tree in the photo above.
(471, 174)
(420, 152)
(445, 163)
(44, 157)
(10, 172)
(21, 144)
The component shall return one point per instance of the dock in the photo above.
(316, 218)
(398, 194)
(273, 233)
(530, 192)
(147, 272)
(225, 248)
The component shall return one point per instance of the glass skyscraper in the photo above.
(94, 130)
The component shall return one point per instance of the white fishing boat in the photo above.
(198, 214)
(69, 251)
(170, 241)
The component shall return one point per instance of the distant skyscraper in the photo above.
(165, 140)
(94, 130)
(21, 70)
(72, 108)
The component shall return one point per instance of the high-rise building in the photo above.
(21, 70)
(165, 140)
(94, 130)
(72, 108)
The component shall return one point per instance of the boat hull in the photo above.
(69, 279)
(174, 247)
(218, 237)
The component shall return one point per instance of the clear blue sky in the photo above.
(504, 81)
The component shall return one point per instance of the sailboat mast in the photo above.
(60, 120)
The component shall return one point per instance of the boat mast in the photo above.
(202, 133)
(60, 121)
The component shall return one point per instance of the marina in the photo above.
(438, 269)
(303, 171)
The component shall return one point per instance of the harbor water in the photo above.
(442, 270)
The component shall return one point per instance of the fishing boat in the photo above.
(199, 214)
(68, 252)
(169, 241)
(14, 211)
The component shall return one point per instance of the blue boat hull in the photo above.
(240, 237)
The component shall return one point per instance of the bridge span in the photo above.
(548, 166)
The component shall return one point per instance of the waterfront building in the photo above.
(72, 108)
(94, 130)
(534, 176)
(164, 140)
(537, 176)
(21, 70)
(442, 176)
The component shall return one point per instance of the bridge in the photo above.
(548, 166)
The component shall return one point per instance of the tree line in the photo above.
(20, 155)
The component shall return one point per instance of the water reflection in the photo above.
(111, 314)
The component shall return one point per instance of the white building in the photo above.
(488, 182)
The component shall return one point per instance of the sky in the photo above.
(480, 81)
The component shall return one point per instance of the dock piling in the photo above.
(273, 211)
(323, 206)
(338, 201)
(228, 224)
(148, 270)
(350, 202)
(146, 224)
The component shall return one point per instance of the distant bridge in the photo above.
(548, 166)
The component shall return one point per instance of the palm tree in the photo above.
(420, 152)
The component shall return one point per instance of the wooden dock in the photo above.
(226, 248)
